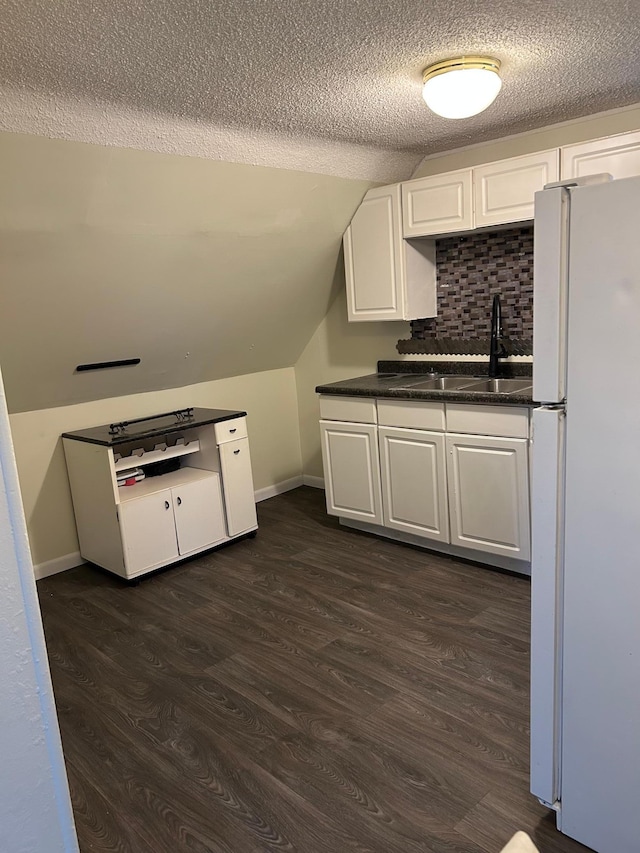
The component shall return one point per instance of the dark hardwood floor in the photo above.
(313, 689)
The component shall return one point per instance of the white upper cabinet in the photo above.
(494, 194)
(504, 190)
(387, 278)
(438, 204)
(618, 155)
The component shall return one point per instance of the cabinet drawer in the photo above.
(509, 421)
(359, 410)
(411, 415)
(230, 430)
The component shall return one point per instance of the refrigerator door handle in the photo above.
(550, 293)
(547, 502)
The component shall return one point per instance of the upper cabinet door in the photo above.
(618, 155)
(387, 277)
(438, 204)
(504, 190)
(373, 257)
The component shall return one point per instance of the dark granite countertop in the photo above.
(393, 374)
(111, 435)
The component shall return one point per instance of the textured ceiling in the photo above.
(347, 70)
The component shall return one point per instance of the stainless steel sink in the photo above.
(439, 383)
(499, 386)
(468, 384)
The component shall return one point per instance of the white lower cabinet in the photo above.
(465, 492)
(197, 508)
(414, 484)
(352, 470)
(489, 494)
(148, 532)
(171, 523)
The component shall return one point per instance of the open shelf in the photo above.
(146, 457)
(158, 484)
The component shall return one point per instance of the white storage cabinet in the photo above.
(350, 458)
(455, 476)
(413, 468)
(618, 155)
(497, 193)
(387, 278)
(132, 530)
(488, 479)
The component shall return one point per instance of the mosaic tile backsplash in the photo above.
(471, 269)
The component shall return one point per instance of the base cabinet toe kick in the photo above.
(144, 500)
(449, 477)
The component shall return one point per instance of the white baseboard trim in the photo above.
(59, 564)
(278, 488)
(314, 482)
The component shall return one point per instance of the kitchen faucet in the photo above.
(497, 349)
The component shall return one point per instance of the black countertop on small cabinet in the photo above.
(391, 374)
(124, 432)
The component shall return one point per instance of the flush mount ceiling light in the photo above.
(462, 87)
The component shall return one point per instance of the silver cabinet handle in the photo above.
(235, 452)
(179, 501)
(166, 504)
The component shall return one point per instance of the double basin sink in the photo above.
(467, 384)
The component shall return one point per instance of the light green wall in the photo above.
(338, 350)
(204, 269)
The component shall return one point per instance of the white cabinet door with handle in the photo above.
(414, 485)
(239, 497)
(489, 494)
(148, 531)
(352, 470)
(198, 513)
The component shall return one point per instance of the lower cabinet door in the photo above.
(489, 494)
(239, 497)
(148, 532)
(352, 470)
(198, 512)
(414, 482)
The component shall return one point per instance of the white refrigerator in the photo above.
(585, 658)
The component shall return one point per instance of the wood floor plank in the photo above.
(311, 689)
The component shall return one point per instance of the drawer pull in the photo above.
(166, 504)
(179, 501)
(235, 429)
(235, 452)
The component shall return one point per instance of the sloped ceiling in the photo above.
(348, 71)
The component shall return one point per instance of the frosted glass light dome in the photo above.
(463, 87)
